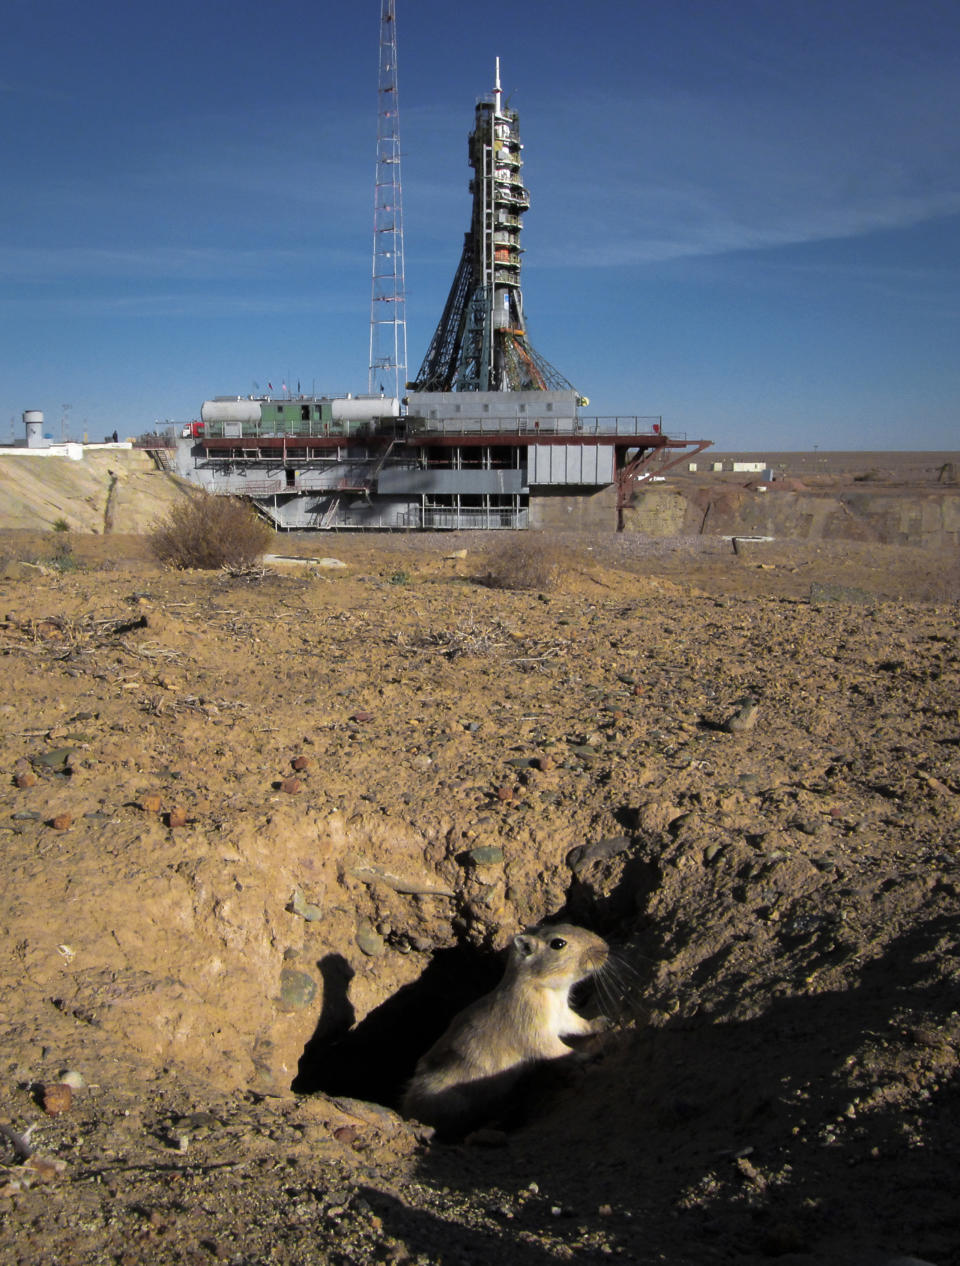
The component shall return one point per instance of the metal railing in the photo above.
(471, 520)
(413, 425)
(576, 427)
(240, 487)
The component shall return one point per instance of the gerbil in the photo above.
(521, 1022)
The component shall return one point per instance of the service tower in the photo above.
(481, 341)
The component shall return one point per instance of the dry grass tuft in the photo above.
(525, 562)
(211, 532)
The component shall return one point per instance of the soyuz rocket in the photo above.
(481, 342)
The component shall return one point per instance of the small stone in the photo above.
(291, 786)
(73, 1079)
(177, 817)
(57, 1098)
(375, 1114)
(56, 759)
(544, 763)
(369, 940)
(151, 803)
(302, 764)
(62, 822)
(745, 718)
(346, 1134)
(298, 904)
(26, 779)
(584, 752)
(809, 826)
(505, 793)
(936, 785)
(580, 857)
(486, 855)
(362, 718)
(297, 989)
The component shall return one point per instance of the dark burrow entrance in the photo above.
(375, 1060)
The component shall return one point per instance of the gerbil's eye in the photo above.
(557, 943)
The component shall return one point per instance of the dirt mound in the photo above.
(266, 834)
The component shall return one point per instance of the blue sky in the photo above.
(745, 215)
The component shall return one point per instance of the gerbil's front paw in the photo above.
(586, 1046)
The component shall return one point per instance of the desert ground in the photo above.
(264, 834)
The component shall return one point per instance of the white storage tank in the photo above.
(238, 410)
(33, 421)
(364, 408)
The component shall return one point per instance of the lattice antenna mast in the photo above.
(388, 322)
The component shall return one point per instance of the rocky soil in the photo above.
(263, 835)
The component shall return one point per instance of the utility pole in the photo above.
(388, 322)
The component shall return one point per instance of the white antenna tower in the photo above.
(388, 322)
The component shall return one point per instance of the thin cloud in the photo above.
(700, 176)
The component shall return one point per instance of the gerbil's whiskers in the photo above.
(619, 989)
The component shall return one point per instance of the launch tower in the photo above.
(481, 342)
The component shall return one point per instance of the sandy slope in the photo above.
(118, 489)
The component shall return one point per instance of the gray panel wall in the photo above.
(468, 482)
(559, 464)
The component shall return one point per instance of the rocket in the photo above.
(481, 343)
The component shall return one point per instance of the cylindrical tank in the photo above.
(33, 421)
(364, 408)
(230, 411)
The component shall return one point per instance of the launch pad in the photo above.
(487, 434)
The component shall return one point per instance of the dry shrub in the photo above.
(209, 532)
(525, 562)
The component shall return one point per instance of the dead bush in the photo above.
(210, 532)
(525, 562)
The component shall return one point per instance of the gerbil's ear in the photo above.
(523, 945)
